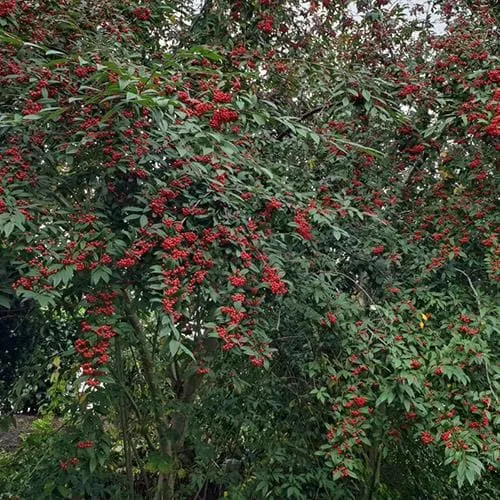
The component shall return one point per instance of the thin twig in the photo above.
(480, 311)
(474, 291)
(303, 117)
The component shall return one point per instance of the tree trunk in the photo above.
(374, 463)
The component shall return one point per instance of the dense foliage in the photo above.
(258, 246)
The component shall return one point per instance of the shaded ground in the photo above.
(11, 439)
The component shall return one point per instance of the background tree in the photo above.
(285, 206)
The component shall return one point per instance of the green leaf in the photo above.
(228, 148)
(185, 350)
(315, 137)
(8, 228)
(4, 301)
(63, 276)
(44, 300)
(52, 52)
(159, 463)
(64, 492)
(123, 84)
(92, 462)
(205, 52)
(100, 273)
(259, 119)
(174, 346)
(32, 117)
(387, 395)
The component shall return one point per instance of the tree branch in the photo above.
(303, 117)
